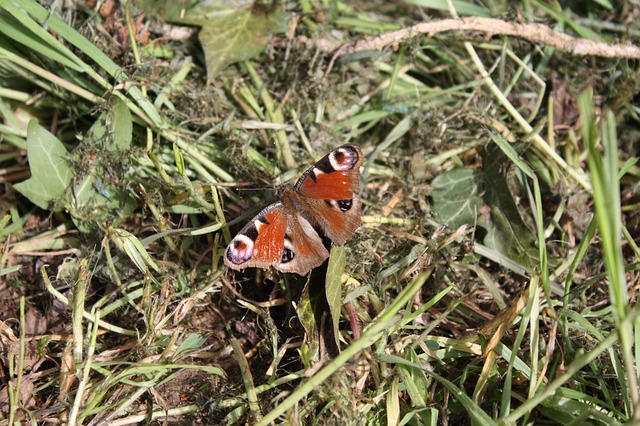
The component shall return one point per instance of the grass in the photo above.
(494, 280)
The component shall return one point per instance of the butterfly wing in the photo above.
(276, 237)
(303, 247)
(328, 193)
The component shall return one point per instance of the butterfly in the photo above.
(288, 234)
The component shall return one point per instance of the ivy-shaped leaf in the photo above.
(507, 232)
(98, 199)
(457, 197)
(231, 35)
(482, 198)
(232, 30)
(50, 172)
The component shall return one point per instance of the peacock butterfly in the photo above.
(287, 234)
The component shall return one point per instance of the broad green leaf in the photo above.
(50, 172)
(113, 129)
(232, 30)
(333, 286)
(96, 202)
(507, 232)
(100, 198)
(83, 192)
(231, 35)
(482, 198)
(457, 197)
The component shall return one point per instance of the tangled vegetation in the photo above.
(495, 277)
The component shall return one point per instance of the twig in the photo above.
(535, 33)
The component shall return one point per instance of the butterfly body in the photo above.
(288, 234)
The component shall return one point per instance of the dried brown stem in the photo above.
(535, 33)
